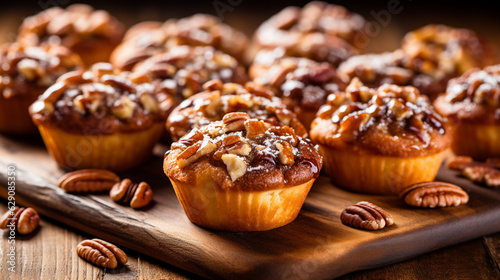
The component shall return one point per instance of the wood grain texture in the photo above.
(315, 246)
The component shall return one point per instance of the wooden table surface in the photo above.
(49, 252)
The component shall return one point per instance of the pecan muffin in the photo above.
(374, 70)
(380, 140)
(472, 103)
(99, 118)
(146, 39)
(242, 174)
(93, 34)
(219, 99)
(25, 73)
(181, 71)
(301, 83)
(318, 31)
(444, 52)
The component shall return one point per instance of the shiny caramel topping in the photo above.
(228, 142)
(37, 66)
(389, 109)
(481, 87)
(219, 99)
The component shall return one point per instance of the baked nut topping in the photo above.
(25, 220)
(219, 99)
(301, 83)
(181, 71)
(366, 215)
(30, 70)
(380, 118)
(76, 27)
(88, 180)
(147, 39)
(101, 100)
(319, 31)
(136, 195)
(441, 51)
(434, 194)
(101, 253)
(274, 154)
(474, 96)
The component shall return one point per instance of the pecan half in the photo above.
(194, 152)
(101, 253)
(459, 163)
(136, 195)
(366, 215)
(25, 220)
(483, 174)
(434, 194)
(88, 180)
(235, 121)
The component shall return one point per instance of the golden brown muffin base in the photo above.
(117, 152)
(479, 141)
(14, 114)
(363, 172)
(236, 210)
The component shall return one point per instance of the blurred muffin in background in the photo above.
(149, 38)
(25, 73)
(472, 104)
(93, 34)
(319, 31)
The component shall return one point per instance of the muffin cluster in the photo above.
(240, 158)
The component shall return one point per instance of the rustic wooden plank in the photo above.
(316, 245)
(492, 244)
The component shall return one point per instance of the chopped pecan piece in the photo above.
(286, 155)
(255, 128)
(434, 194)
(366, 215)
(235, 121)
(236, 166)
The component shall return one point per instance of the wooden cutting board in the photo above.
(315, 246)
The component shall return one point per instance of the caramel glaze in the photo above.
(473, 97)
(101, 100)
(264, 169)
(389, 121)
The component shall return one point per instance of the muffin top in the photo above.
(70, 26)
(374, 70)
(244, 154)
(302, 84)
(442, 51)
(474, 96)
(30, 70)
(146, 39)
(389, 120)
(182, 70)
(101, 100)
(320, 31)
(219, 99)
